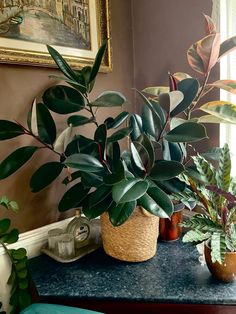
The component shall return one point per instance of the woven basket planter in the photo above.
(135, 240)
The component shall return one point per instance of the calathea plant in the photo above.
(214, 192)
(20, 296)
(100, 177)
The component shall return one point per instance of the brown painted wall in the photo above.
(163, 30)
(20, 84)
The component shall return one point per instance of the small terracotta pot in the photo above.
(225, 272)
(169, 229)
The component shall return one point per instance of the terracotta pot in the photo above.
(225, 272)
(169, 229)
(135, 240)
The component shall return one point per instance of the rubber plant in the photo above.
(20, 296)
(99, 176)
(183, 96)
(214, 191)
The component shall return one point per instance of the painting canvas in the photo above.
(75, 28)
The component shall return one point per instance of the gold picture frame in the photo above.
(35, 54)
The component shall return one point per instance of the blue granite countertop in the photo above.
(174, 275)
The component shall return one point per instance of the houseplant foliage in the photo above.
(19, 296)
(120, 181)
(215, 193)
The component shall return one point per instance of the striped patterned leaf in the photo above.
(224, 169)
(196, 236)
(205, 169)
(218, 247)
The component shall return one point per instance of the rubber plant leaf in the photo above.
(189, 87)
(165, 170)
(74, 84)
(73, 197)
(156, 90)
(228, 85)
(120, 213)
(95, 210)
(144, 155)
(109, 99)
(227, 46)
(117, 175)
(129, 190)
(171, 100)
(118, 135)
(83, 162)
(221, 109)
(45, 124)
(147, 144)
(45, 175)
(179, 76)
(61, 63)
(136, 124)
(78, 120)
(63, 99)
(209, 25)
(9, 129)
(16, 160)
(157, 202)
(211, 119)
(203, 55)
(136, 157)
(187, 132)
(100, 138)
(119, 119)
(98, 61)
(151, 124)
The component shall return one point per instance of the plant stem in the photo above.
(91, 110)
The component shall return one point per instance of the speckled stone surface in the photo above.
(174, 275)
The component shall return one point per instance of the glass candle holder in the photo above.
(53, 237)
(66, 246)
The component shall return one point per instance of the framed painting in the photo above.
(76, 28)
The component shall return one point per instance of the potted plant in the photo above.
(20, 296)
(214, 191)
(202, 57)
(100, 177)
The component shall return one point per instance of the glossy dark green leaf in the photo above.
(78, 120)
(151, 123)
(75, 175)
(91, 180)
(100, 137)
(117, 175)
(98, 195)
(165, 170)
(175, 151)
(118, 135)
(119, 119)
(136, 157)
(157, 202)
(97, 209)
(135, 123)
(73, 197)
(83, 162)
(23, 284)
(63, 99)
(144, 155)
(120, 213)
(4, 225)
(187, 132)
(113, 152)
(98, 61)
(10, 237)
(16, 160)
(189, 87)
(9, 129)
(61, 63)
(45, 124)
(74, 84)
(86, 72)
(159, 110)
(45, 175)
(171, 186)
(109, 99)
(108, 122)
(129, 190)
(147, 144)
